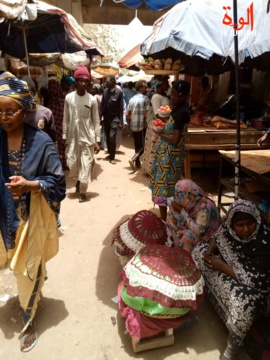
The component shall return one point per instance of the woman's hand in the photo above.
(262, 139)
(157, 132)
(216, 264)
(213, 262)
(18, 185)
(176, 206)
(212, 248)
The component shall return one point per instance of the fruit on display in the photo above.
(158, 125)
(165, 109)
(159, 122)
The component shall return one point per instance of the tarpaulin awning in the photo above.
(131, 58)
(196, 32)
(41, 28)
(151, 4)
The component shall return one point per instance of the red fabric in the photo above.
(81, 72)
(146, 227)
(174, 265)
(158, 297)
(116, 237)
(141, 326)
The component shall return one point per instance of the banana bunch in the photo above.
(160, 64)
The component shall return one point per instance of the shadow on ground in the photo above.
(10, 315)
(195, 337)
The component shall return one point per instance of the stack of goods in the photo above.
(159, 287)
(164, 114)
(223, 123)
(161, 64)
(143, 228)
(19, 68)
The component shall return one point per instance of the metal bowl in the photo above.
(261, 123)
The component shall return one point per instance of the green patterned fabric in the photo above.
(148, 306)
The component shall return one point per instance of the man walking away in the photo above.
(112, 113)
(137, 113)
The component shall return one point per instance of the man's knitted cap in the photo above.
(81, 73)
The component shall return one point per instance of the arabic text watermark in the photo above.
(231, 32)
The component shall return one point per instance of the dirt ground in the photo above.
(79, 320)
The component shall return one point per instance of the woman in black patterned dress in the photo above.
(236, 268)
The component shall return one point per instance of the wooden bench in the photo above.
(210, 138)
(139, 345)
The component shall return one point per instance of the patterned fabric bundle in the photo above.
(141, 326)
(150, 307)
(166, 275)
(17, 90)
(143, 228)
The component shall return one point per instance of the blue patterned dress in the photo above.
(167, 165)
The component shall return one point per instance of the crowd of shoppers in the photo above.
(38, 143)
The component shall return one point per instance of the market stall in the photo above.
(255, 182)
(205, 139)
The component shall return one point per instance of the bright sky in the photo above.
(132, 34)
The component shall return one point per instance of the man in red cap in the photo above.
(81, 131)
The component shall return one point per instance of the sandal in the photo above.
(231, 351)
(82, 198)
(131, 163)
(26, 337)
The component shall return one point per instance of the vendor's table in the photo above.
(255, 164)
(210, 138)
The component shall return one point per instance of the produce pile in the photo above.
(158, 125)
(164, 111)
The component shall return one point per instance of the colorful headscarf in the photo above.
(187, 189)
(69, 80)
(17, 90)
(247, 207)
(159, 80)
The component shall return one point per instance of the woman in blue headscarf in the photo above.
(32, 185)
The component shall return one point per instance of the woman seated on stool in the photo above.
(236, 268)
(192, 217)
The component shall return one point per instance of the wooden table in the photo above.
(256, 165)
(210, 138)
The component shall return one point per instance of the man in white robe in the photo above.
(81, 131)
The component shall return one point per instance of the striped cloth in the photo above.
(16, 89)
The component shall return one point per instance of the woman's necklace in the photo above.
(17, 156)
(18, 171)
(20, 163)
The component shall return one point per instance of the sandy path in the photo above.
(76, 320)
